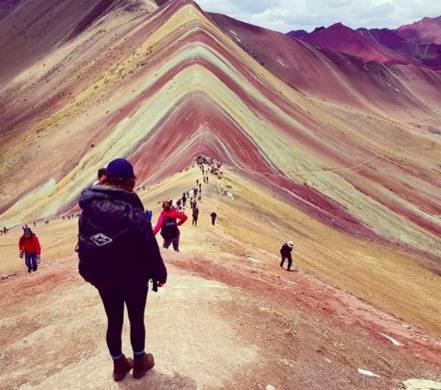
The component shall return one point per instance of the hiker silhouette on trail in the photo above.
(285, 252)
(29, 249)
(118, 254)
(213, 216)
(195, 216)
(168, 225)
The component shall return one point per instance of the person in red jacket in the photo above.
(30, 249)
(168, 225)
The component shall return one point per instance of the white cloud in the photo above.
(286, 15)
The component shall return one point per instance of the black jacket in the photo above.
(285, 250)
(116, 244)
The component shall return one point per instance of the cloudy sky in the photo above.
(286, 15)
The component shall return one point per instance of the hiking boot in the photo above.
(121, 367)
(141, 366)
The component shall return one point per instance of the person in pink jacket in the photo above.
(168, 225)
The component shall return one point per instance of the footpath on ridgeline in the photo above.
(228, 317)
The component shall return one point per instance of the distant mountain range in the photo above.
(418, 43)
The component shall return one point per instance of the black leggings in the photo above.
(135, 298)
(289, 258)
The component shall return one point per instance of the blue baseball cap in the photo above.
(120, 168)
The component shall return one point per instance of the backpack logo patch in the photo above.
(101, 239)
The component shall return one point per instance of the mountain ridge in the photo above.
(337, 154)
(260, 103)
(427, 29)
(410, 44)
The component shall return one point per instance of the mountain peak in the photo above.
(406, 45)
(318, 29)
(337, 25)
(335, 29)
(435, 19)
(427, 30)
(297, 34)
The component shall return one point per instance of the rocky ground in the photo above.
(228, 317)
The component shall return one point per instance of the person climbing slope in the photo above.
(195, 216)
(168, 225)
(213, 216)
(184, 199)
(285, 252)
(29, 248)
(118, 254)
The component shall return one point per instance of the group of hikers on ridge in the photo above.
(119, 255)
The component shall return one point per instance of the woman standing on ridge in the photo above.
(119, 254)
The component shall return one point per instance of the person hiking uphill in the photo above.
(195, 216)
(184, 199)
(118, 254)
(285, 252)
(168, 225)
(30, 249)
(213, 216)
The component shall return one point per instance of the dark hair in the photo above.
(166, 205)
(101, 172)
(120, 182)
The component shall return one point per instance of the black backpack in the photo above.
(169, 229)
(116, 244)
(100, 250)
